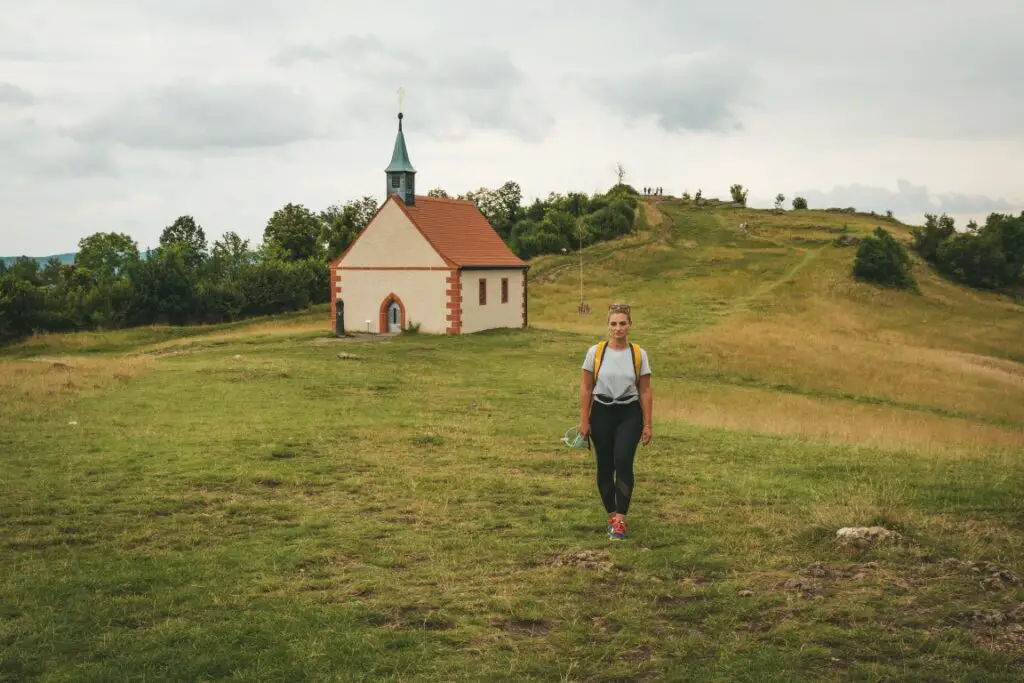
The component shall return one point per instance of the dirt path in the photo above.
(764, 288)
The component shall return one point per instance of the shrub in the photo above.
(936, 230)
(882, 260)
(739, 195)
(799, 203)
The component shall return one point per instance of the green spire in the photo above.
(400, 157)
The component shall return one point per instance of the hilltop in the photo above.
(774, 314)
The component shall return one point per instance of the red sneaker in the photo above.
(617, 527)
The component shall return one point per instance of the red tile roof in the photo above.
(459, 232)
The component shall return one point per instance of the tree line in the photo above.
(186, 280)
(989, 257)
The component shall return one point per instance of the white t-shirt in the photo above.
(616, 377)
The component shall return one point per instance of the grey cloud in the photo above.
(699, 92)
(907, 199)
(482, 89)
(30, 150)
(188, 115)
(13, 95)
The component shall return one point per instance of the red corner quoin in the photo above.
(454, 305)
(335, 295)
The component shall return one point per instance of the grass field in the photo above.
(237, 502)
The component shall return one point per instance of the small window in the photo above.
(483, 292)
(396, 180)
(504, 290)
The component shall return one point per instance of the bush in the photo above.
(739, 195)
(882, 260)
(799, 203)
(936, 230)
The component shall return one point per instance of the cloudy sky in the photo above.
(121, 115)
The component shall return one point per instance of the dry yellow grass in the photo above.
(831, 420)
(32, 387)
(257, 329)
(786, 351)
(82, 340)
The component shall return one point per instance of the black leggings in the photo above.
(615, 432)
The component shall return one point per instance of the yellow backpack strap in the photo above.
(598, 356)
(637, 358)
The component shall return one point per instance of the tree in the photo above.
(22, 305)
(343, 223)
(779, 199)
(439, 193)
(739, 195)
(883, 260)
(26, 268)
(799, 203)
(106, 254)
(987, 257)
(230, 254)
(936, 230)
(297, 231)
(502, 207)
(185, 231)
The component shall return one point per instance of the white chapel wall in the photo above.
(493, 313)
(423, 293)
(392, 240)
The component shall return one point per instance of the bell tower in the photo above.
(401, 176)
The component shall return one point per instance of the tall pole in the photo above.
(579, 234)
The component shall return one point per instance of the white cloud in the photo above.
(458, 91)
(123, 116)
(907, 199)
(190, 115)
(699, 92)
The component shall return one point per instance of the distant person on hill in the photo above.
(615, 412)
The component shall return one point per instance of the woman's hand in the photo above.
(647, 434)
(584, 428)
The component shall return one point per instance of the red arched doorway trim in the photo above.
(383, 321)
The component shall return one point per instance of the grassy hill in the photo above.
(774, 313)
(238, 501)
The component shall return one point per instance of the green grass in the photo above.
(239, 503)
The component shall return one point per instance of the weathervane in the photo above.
(401, 98)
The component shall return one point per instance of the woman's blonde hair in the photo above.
(620, 308)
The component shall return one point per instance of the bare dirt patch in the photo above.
(990, 575)
(584, 559)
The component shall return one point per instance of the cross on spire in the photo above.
(400, 172)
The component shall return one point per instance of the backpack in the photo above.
(634, 350)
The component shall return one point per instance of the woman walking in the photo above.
(615, 412)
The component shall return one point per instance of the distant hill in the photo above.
(64, 258)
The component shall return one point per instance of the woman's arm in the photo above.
(586, 389)
(647, 403)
